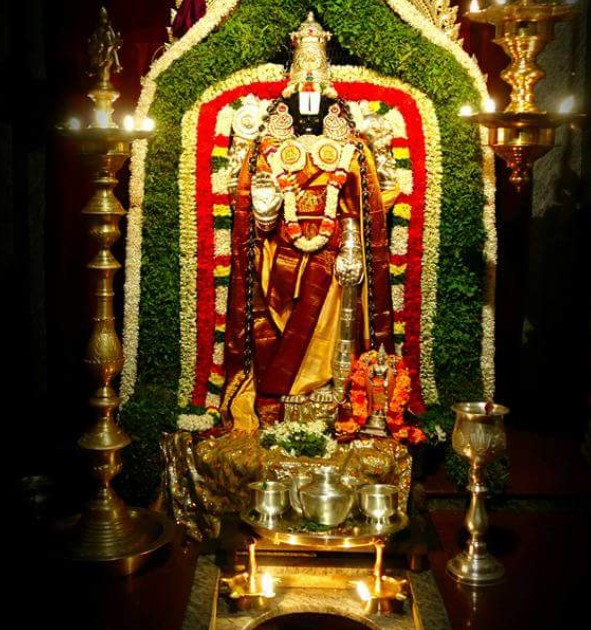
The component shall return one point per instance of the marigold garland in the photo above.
(397, 404)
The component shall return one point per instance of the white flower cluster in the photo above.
(292, 430)
(187, 422)
(438, 434)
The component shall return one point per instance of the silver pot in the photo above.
(269, 498)
(326, 500)
(297, 482)
(378, 501)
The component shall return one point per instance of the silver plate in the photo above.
(291, 530)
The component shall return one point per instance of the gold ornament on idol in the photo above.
(334, 126)
(309, 68)
(289, 187)
(280, 124)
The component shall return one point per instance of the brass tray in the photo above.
(290, 530)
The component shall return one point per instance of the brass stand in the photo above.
(107, 534)
(475, 566)
(521, 138)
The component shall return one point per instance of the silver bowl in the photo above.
(269, 498)
(379, 502)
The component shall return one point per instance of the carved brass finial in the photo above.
(103, 47)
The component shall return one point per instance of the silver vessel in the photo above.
(326, 500)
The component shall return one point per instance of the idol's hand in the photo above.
(266, 201)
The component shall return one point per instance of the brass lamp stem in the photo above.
(522, 30)
(104, 355)
(476, 517)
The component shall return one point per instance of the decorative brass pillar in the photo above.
(522, 133)
(107, 533)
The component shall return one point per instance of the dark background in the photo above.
(542, 374)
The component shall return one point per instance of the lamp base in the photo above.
(476, 570)
(86, 543)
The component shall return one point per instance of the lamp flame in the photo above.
(363, 591)
(74, 124)
(267, 586)
(490, 106)
(466, 110)
(148, 124)
(129, 123)
(102, 118)
(474, 6)
(567, 105)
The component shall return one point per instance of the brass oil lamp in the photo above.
(107, 534)
(250, 590)
(522, 133)
(381, 594)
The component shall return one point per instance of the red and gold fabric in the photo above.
(296, 297)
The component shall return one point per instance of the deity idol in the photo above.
(309, 288)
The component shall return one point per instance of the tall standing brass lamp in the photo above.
(107, 533)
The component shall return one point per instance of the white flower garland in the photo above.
(414, 18)
(133, 266)
(196, 423)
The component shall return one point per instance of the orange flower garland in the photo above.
(396, 405)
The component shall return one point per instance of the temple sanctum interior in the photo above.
(297, 313)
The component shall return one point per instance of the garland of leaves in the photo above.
(253, 35)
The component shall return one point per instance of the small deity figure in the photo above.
(104, 45)
(380, 387)
(309, 287)
(379, 398)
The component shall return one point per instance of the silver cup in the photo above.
(378, 501)
(355, 484)
(269, 498)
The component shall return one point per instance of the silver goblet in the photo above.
(478, 436)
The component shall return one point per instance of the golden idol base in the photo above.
(481, 570)
(114, 548)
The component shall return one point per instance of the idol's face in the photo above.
(305, 122)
